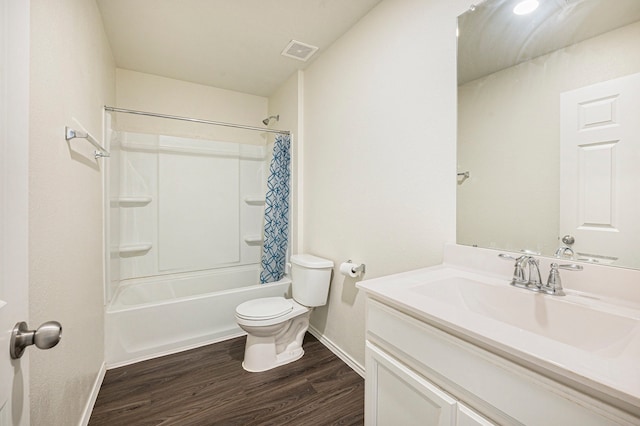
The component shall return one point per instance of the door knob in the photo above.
(45, 337)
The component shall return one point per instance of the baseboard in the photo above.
(93, 396)
(355, 366)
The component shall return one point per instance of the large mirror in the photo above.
(549, 129)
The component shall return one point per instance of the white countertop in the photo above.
(609, 370)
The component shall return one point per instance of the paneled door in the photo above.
(600, 170)
(14, 89)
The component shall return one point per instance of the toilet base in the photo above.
(282, 359)
(263, 353)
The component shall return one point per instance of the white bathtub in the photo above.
(156, 316)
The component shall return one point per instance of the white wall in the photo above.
(514, 158)
(146, 92)
(287, 102)
(379, 152)
(72, 76)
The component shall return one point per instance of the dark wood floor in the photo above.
(207, 386)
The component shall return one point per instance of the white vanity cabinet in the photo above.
(397, 395)
(418, 374)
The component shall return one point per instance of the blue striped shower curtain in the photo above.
(276, 213)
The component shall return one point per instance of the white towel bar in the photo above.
(70, 133)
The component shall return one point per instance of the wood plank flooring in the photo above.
(208, 386)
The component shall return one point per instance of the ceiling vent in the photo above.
(298, 50)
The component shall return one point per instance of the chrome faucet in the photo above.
(564, 252)
(535, 280)
(519, 276)
(527, 274)
(554, 284)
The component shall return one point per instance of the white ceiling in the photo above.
(492, 38)
(230, 44)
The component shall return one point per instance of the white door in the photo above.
(600, 170)
(14, 89)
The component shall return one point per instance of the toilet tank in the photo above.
(310, 278)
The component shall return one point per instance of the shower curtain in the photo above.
(276, 213)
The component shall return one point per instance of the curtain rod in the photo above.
(195, 120)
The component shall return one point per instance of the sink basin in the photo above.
(559, 318)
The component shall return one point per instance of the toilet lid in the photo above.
(265, 308)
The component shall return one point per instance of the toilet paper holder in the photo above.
(358, 268)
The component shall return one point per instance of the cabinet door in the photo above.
(396, 395)
(468, 417)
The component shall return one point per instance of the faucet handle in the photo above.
(554, 283)
(519, 277)
(508, 256)
(519, 260)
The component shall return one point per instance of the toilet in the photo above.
(275, 326)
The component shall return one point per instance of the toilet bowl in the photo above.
(274, 337)
(276, 326)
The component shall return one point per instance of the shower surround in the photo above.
(186, 218)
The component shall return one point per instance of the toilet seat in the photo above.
(276, 310)
(265, 308)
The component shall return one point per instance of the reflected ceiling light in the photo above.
(526, 6)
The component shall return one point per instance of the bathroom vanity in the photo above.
(456, 344)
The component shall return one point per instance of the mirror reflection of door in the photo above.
(599, 170)
(512, 72)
